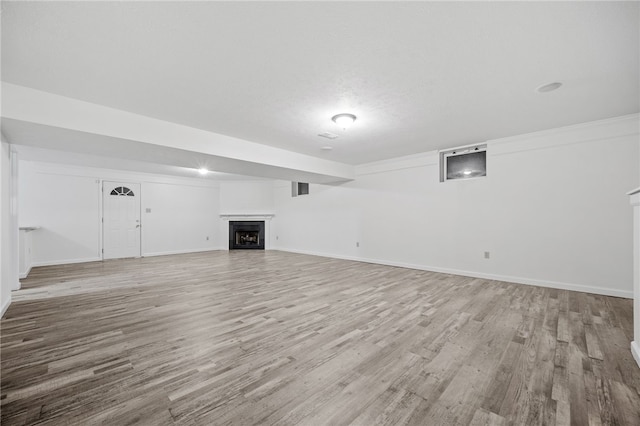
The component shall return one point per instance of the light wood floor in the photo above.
(266, 337)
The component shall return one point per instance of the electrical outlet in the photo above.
(207, 238)
(147, 210)
(487, 255)
(276, 237)
(357, 244)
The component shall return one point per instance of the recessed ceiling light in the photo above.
(203, 171)
(344, 120)
(327, 148)
(549, 87)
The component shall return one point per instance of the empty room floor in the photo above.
(268, 337)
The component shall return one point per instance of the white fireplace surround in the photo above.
(246, 217)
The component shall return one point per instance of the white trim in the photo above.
(5, 305)
(165, 253)
(634, 199)
(66, 261)
(101, 218)
(510, 279)
(246, 216)
(249, 217)
(635, 351)
(98, 259)
(24, 275)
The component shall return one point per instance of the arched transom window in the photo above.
(122, 190)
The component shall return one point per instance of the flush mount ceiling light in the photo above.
(549, 87)
(344, 120)
(203, 171)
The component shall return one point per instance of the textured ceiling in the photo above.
(419, 75)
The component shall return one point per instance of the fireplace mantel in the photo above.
(249, 217)
(246, 216)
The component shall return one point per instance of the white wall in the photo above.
(246, 197)
(183, 218)
(552, 211)
(67, 209)
(5, 228)
(65, 201)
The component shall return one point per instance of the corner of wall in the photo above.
(5, 305)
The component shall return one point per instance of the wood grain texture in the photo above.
(274, 338)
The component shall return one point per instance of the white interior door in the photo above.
(121, 220)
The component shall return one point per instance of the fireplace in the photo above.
(245, 235)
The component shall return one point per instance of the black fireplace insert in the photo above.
(246, 235)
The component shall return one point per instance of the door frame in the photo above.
(124, 181)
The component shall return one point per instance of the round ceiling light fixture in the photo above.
(549, 87)
(344, 120)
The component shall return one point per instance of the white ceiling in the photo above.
(419, 75)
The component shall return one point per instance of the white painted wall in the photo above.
(247, 197)
(65, 201)
(5, 228)
(552, 211)
(182, 219)
(14, 236)
(8, 225)
(67, 209)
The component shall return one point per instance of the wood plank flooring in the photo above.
(274, 338)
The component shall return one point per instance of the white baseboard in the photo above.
(24, 275)
(518, 280)
(165, 253)
(5, 305)
(66, 261)
(99, 259)
(635, 351)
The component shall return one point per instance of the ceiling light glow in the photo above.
(203, 171)
(344, 120)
